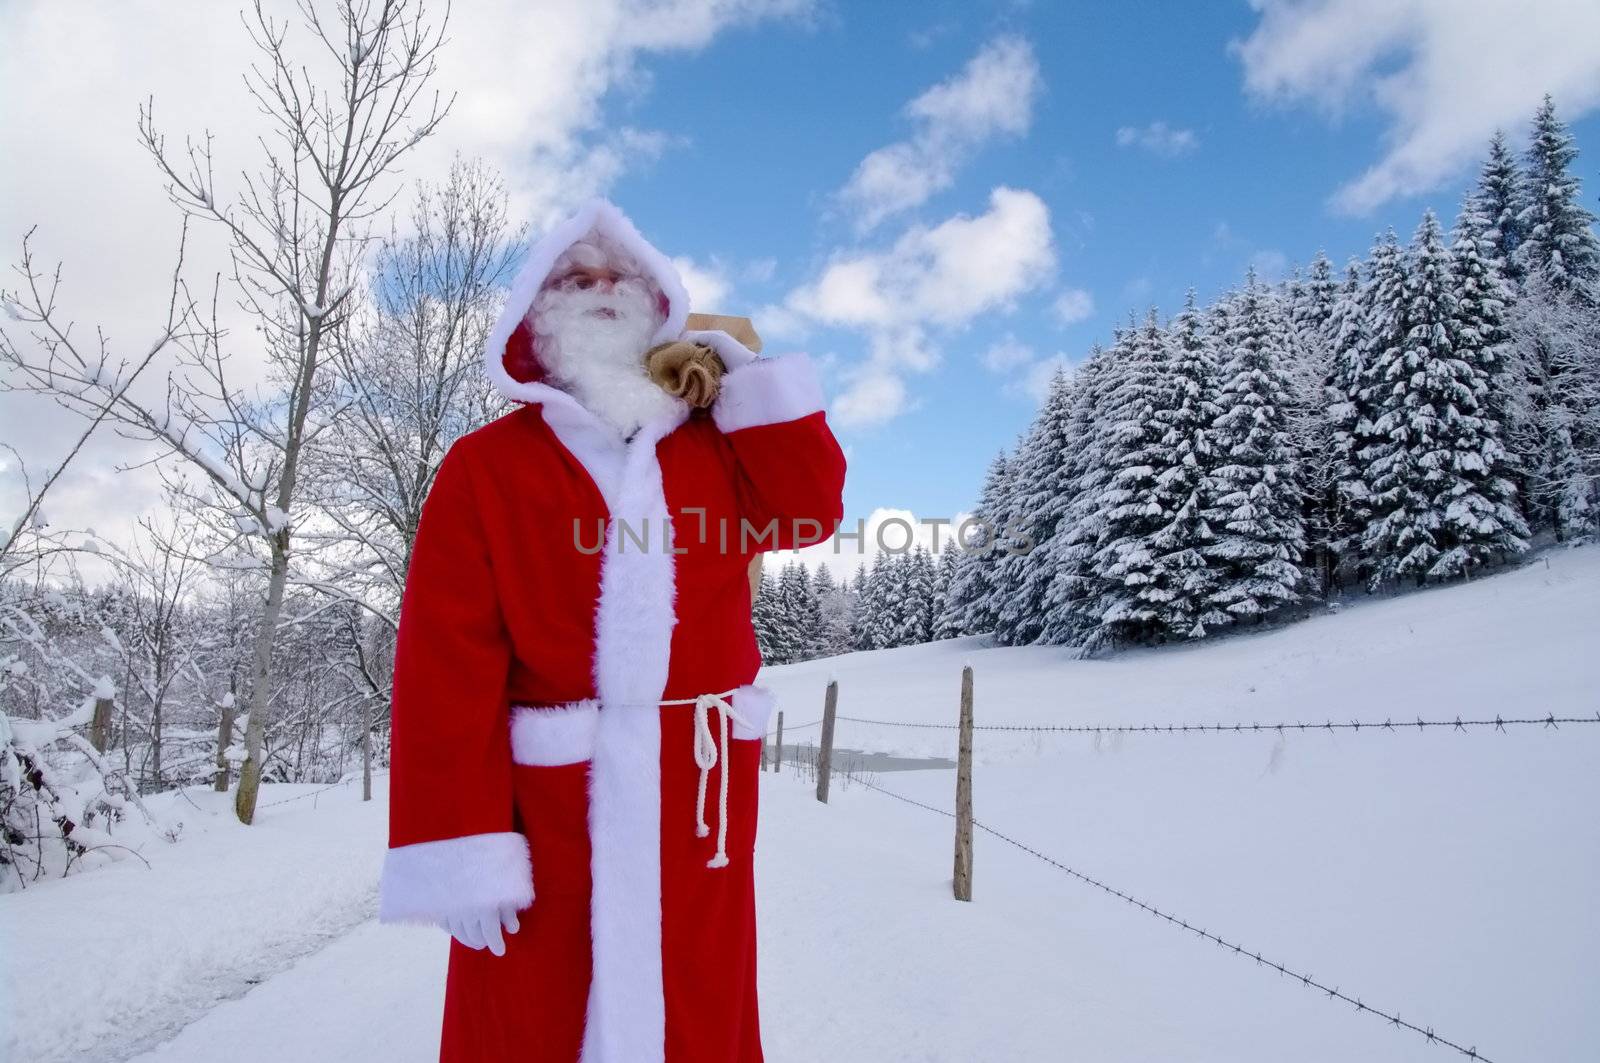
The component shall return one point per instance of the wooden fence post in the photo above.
(366, 748)
(224, 738)
(100, 724)
(777, 760)
(825, 754)
(963, 866)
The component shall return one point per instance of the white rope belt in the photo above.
(705, 757)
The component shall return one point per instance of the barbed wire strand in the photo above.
(313, 793)
(1551, 721)
(1333, 992)
(788, 727)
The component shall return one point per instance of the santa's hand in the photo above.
(481, 930)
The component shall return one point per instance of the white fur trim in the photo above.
(733, 353)
(549, 735)
(597, 212)
(767, 391)
(755, 705)
(430, 881)
(626, 1019)
(596, 444)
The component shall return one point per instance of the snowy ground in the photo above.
(1447, 876)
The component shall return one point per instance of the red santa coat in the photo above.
(564, 583)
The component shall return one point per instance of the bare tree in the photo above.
(50, 818)
(297, 234)
(157, 636)
(407, 378)
(408, 382)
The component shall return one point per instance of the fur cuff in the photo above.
(550, 735)
(754, 704)
(429, 881)
(733, 353)
(767, 391)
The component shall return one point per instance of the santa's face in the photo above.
(594, 321)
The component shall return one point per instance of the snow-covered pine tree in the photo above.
(1254, 516)
(1559, 262)
(1124, 563)
(944, 626)
(1313, 314)
(1319, 295)
(834, 607)
(1393, 524)
(1371, 328)
(1498, 199)
(1557, 238)
(1186, 459)
(1038, 503)
(1008, 556)
(765, 615)
(1069, 616)
(916, 619)
(1439, 505)
(888, 605)
(1484, 519)
(972, 603)
(1486, 294)
(811, 618)
(801, 635)
(1333, 485)
(861, 615)
(786, 641)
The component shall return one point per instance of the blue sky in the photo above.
(772, 121)
(913, 192)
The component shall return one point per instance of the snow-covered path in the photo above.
(101, 964)
(1447, 876)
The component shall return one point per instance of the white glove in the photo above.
(481, 929)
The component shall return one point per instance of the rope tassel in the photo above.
(705, 757)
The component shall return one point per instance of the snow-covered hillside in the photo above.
(1447, 876)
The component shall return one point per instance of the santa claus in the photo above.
(576, 734)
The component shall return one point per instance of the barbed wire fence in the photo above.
(1333, 992)
(1457, 724)
(340, 785)
(966, 823)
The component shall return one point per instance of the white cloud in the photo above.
(776, 322)
(992, 96)
(708, 285)
(1447, 73)
(760, 270)
(874, 395)
(1158, 138)
(939, 277)
(1006, 354)
(1035, 383)
(1269, 264)
(1027, 375)
(530, 83)
(946, 274)
(1072, 306)
(533, 80)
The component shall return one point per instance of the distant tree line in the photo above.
(897, 601)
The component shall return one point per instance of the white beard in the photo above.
(600, 360)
